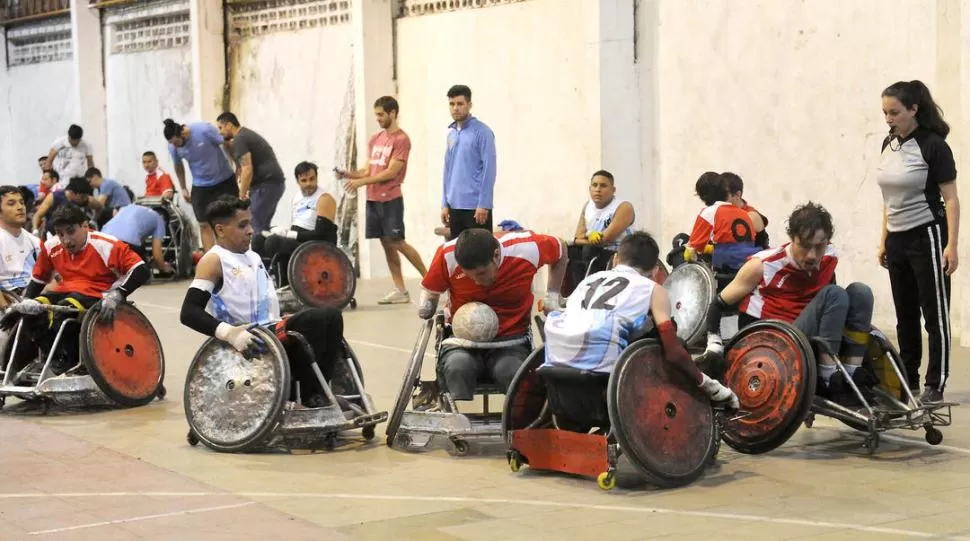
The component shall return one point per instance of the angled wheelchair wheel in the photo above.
(321, 275)
(526, 395)
(232, 404)
(184, 263)
(692, 288)
(663, 423)
(125, 358)
(412, 378)
(771, 367)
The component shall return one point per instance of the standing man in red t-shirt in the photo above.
(388, 150)
(496, 270)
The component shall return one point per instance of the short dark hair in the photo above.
(639, 250)
(711, 188)
(303, 168)
(92, 172)
(69, 214)
(80, 186)
(388, 104)
(223, 209)
(460, 90)
(475, 248)
(42, 159)
(808, 218)
(8, 189)
(172, 128)
(228, 118)
(603, 173)
(149, 153)
(733, 182)
(75, 132)
(53, 174)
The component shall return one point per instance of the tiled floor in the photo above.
(128, 474)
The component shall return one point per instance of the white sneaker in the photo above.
(396, 297)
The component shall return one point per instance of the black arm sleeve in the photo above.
(324, 230)
(193, 313)
(138, 277)
(33, 289)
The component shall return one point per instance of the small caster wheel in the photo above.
(162, 391)
(192, 439)
(810, 420)
(461, 447)
(353, 304)
(934, 436)
(515, 461)
(45, 406)
(606, 480)
(3, 401)
(368, 432)
(871, 444)
(329, 442)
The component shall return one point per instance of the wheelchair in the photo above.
(236, 404)
(413, 429)
(121, 364)
(769, 360)
(604, 261)
(177, 246)
(319, 274)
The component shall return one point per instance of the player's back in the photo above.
(599, 317)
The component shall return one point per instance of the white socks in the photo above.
(826, 371)
(714, 343)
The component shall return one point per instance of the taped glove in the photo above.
(595, 237)
(427, 305)
(109, 305)
(240, 338)
(28, 307)
(551, 302)
(719, 393)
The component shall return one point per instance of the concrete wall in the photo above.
(290, 87)
(542, 102)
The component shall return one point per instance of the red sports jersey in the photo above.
(786, 290)
(90, 272)
(721, 223)
(523, 252)
(158, 183)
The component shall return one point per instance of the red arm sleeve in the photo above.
(675, 353)
(438, 278)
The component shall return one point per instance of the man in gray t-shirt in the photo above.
(261, 178)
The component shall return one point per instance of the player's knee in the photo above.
(860, 297)
(835, 296)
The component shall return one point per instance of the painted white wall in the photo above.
(142, 90)
(290, 88)
(538, 91)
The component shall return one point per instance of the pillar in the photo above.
(88, 59)
(373, 43)
(208, 60)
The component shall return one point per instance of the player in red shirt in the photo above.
(158, 183)
(735, 187)
(90, 264)
(795, 283)
(497, 270)
(728, 228)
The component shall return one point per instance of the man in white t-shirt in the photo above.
(70, 155)
(18, 248)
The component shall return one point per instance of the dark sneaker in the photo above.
(931, 395)
(865, 381)
(316, 401)
(711, 363)
(841, 393)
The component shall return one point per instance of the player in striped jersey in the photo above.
(795, 283)
(612, 308)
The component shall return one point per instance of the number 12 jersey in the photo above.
(599, 317)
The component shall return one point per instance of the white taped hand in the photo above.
(427, 304)
(238, 337)
(552, 301)
(719, 393)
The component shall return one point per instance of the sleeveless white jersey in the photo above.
(305, 209)
(247, 294)
(599, 219)
(17, 258)
(601, 313)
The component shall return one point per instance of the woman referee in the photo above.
(920, 228)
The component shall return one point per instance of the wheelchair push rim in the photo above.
(526, 396)
(411, 380)
(233, 403)
(321, 275)
(125, 358)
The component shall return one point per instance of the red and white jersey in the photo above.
(721, 223)
(90, 272)
(523, 252)
(785, 290)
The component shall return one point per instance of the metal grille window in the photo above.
(48, 41)
(249, 18)
(148, 26)
(415, 8)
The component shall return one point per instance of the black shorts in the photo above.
(462, 219)
(385, 219)
(203, 196)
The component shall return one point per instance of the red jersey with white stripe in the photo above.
(785, 290)
(157, 183)
(523, 252)
(90, 272)
(721, 223)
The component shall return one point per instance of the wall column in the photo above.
(373, 43)
(88, 58)
(208, 60)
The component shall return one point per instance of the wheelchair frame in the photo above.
(178, 236)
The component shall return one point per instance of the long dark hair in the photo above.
(929, 115)
(172, 128)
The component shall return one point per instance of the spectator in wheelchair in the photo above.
(603, 221)
(312, 218)
(18, 247)
(232, 293)
(133, 225)
(497, 270)
(795, 283)
(735, 186)
(89, 264)
(78, 192)
(613, 308)
(158, 183)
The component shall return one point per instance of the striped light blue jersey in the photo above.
(599, 317)
(17, 257)
(246, 294)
